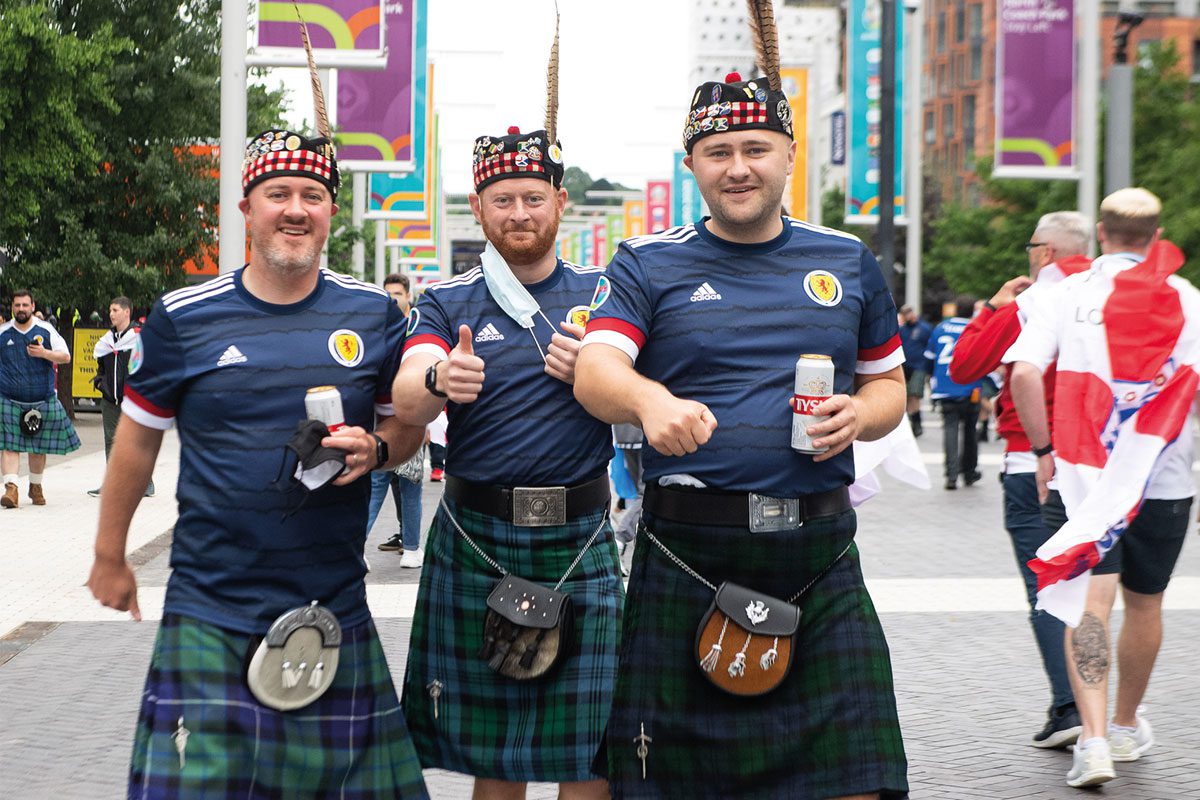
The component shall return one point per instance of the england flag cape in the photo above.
(1128, 347)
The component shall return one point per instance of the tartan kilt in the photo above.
(548, 729)
(830, 729)
(57, 436)
(350, 743)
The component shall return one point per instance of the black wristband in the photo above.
(1043, 451)
(431, 381)
(987, 304)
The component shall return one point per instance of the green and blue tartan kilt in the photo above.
(549, 729)
(829, 730)
(350, 743)
(57, 436)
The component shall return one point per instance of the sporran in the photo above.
(297, 660)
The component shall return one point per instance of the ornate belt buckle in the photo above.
(539, 506)
(769, 514)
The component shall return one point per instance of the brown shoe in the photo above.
(35, 494)
(9, 500)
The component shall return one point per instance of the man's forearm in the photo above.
(130, 467)
(413, 403)
(58, 357)
(402, 440)
(881, 401)
(1029, 398)
(607, 385)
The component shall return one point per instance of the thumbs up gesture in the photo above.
(463, 375)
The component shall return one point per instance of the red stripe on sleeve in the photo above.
(426, 338)
(885, 349)
(631, 332)
(146, 405)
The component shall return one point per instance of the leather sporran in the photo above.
(746, 641)
(528, 628)
(31, 422)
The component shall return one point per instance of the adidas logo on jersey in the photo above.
(705, 292)
(231, 356)
(489, 334)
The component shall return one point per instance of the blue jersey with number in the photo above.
(231, 372)
(724, 324)
(938, 356)
(525, 428)
(23, 377)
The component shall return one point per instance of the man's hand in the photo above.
(1045, 474)
(840, 430)
(360, 452)
(562, 353)
(675, 427)
(113, 584)
(1009, 291)
(35, 350)
(462, 377)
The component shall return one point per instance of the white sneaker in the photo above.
(412, 559)
(1091, 765)
(1130, 745)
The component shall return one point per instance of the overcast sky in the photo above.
(623, 89)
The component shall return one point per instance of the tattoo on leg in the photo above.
(1089, 646)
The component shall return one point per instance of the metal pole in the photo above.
(816, 158)
(914, 200)
(1118, 130)
(1088, 13)
(358, 253)
(887, 147)
(232, 226)
(380, 248)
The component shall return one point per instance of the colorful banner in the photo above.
(342, 32)
(658, 206)
(795, 88)
(600, 237)
(635, 218)
(864, 92)
(616, 230)
(688, 205)
(418, 238)
(587, 248)
(1035, 89)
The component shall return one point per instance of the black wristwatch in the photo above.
(1043, 451)
(431, 381)
(381, 451)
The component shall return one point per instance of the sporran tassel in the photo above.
(314, 677)
(738, 668)
(709, 662)
(766, 39)
(768, 658)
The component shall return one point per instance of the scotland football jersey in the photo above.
(525, 428)
(232, 371)
(724, 324)
(22, 377)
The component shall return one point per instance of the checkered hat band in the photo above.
(288, 161)
(747, 113)
(502, 163)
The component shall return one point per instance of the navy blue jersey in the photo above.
(724, 324)
(939, 354)
(22, 377)
(525, 428)
(232, 371)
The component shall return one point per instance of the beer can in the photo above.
(324, 403)
(814, 384)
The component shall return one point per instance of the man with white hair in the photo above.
(1055, 250)
(1125, 338)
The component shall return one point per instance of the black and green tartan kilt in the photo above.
(350, 743)
(57, 436)
(549, 729)
(829, 730)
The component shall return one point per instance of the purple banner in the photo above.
(1035, 97)
(375, 108)
(344, 25)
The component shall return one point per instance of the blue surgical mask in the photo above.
(508, 292)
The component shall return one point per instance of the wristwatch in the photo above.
(431, 381)
(381, 451)
(1043, 451)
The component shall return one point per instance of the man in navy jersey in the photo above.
(959, 402)
(526, 490)
(229, 362)
(698, 345)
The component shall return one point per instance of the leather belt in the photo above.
(531, 506)
(758, 513)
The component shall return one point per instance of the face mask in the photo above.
(508, 292)
(307, 466)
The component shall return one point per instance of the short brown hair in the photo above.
(122, 301)
(23, 293)
(396, 277)
(1130, 217)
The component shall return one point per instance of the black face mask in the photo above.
(307, 466)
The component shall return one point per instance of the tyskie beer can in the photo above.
(324, 403)
(814, 384)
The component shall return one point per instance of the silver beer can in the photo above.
(324, 403)
(814, 384)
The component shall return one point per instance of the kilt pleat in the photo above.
(57, 436)
(549, 729)
(830, 729)
(350, 743)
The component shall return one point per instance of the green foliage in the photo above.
(131, 87)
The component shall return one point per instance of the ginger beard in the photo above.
(521, 244)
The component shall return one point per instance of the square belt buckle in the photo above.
(539, 506)
(769, 514)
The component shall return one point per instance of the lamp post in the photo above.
(1118, 133)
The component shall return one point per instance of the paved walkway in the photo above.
(968, 685)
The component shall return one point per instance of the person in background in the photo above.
(114, 351)
(959, 403)
(914, 337)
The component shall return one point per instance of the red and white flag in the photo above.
(1127, 339)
